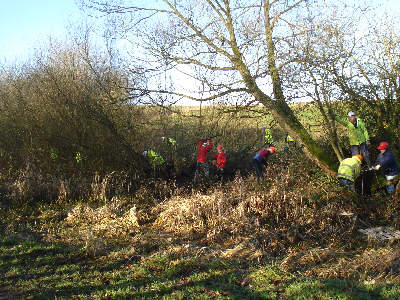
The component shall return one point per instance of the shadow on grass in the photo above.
(43, 271)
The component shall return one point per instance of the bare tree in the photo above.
(316, 53)
(68, 100)
(362, 68)
(377, 84)
(228, 49)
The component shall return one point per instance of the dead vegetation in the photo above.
(297, 215)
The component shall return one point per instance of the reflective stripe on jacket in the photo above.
(357, 135)
(349, 168)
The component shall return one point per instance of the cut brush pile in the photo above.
(285, 203)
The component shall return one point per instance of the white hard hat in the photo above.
(351, 113)
(145, 152)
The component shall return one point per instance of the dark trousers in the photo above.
(347, 183)
(288, 146)
(202, 172)
(259, 168)
(219, 174)
(363, 150)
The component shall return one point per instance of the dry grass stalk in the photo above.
(370, 264)
(64, 191)
(95, 229)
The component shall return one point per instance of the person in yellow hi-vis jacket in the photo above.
(290, 143)
(267, 136)
(349, 170)
(155, 159)
(358, 135)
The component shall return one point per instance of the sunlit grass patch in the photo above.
(52, 271)
(330, 289)
(269, 281)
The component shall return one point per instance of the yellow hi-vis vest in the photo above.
(172, 141)
(289, 139)
(350, 168)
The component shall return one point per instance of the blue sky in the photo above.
(25, 24)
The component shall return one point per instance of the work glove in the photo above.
(376, 168)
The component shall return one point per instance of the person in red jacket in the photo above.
(221, 161)
(202, 168)
(260, 159)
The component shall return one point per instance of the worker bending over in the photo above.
(220, 162)
(349, 170)
(260, 159)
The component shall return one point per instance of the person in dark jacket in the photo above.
(387, 164)
(260, 159)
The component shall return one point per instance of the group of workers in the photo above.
(202, 169)
(349, 168)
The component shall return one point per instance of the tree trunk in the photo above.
(282, 112)
(287, 120)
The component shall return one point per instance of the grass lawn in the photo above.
(39, 270)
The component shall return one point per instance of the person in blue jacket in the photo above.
(387, 163)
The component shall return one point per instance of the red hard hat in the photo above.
(272, 149)
(220, 147)
(383, 145)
